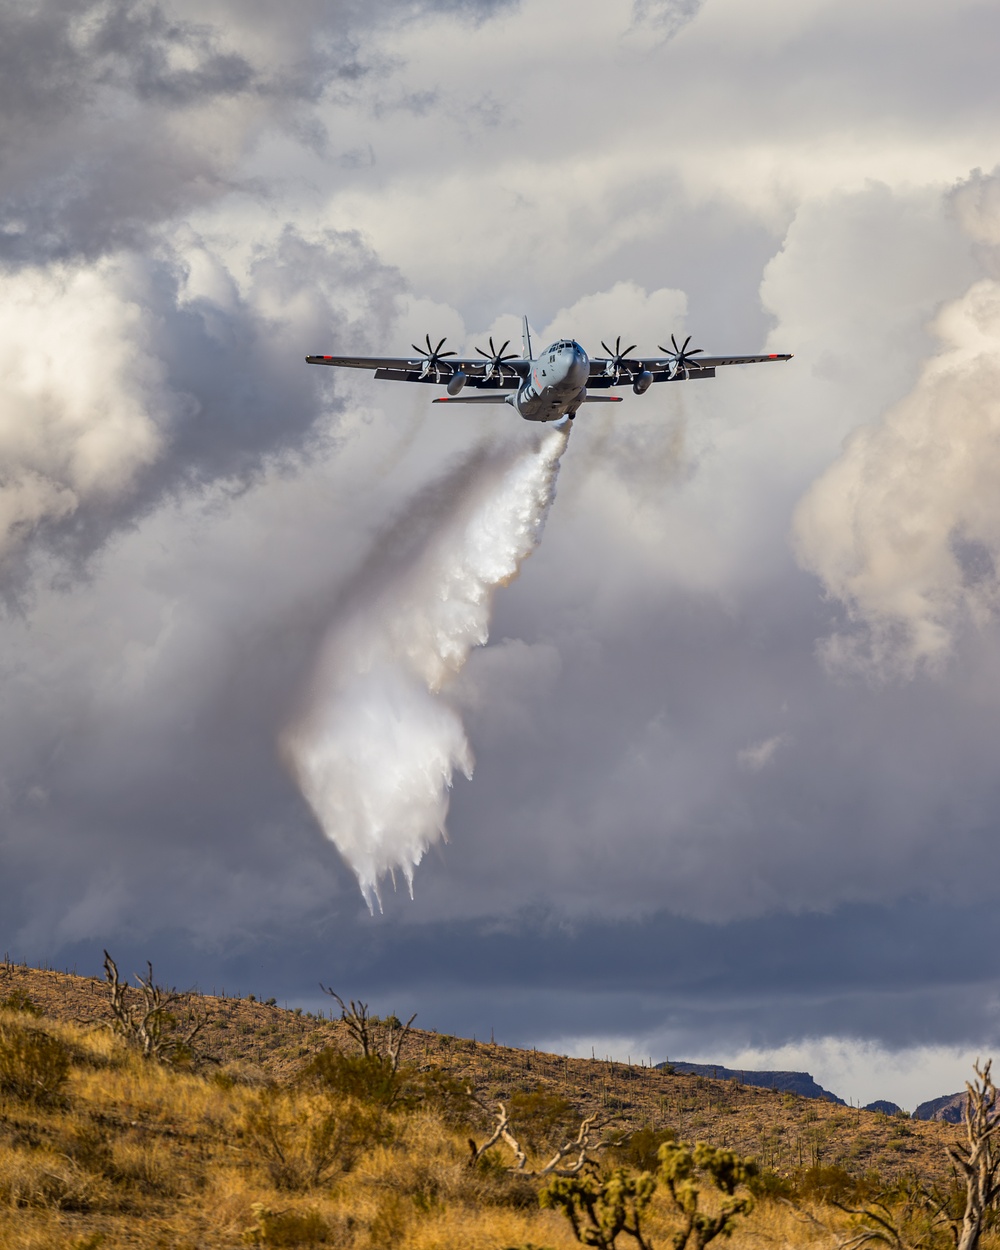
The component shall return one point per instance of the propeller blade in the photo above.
(494, 358)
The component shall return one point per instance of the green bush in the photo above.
(769, 1185)
(835, 1184)
(447, 1095)
(33, 1065)
(639, 1150)
(18, 1000)
(368, 1078)
(542, 1119)
(303, 1140)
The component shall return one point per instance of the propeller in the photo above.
(682, 360)
(496, 359)
(433, 360)
(618, 361)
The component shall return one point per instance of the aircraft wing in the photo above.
(416, 369)
(502, 399)
(663, 368)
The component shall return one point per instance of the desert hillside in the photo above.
(124, 1151)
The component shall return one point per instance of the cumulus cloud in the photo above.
(83, 406)
(903, 528)
(783, 181)
(134, 376)
(118, 117)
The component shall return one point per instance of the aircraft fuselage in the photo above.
(556, 384)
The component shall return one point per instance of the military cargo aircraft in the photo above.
(547, 387)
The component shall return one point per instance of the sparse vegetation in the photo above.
(294, 1135)
(34, 1065)
(146, 1016)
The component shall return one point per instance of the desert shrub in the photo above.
(19, 1000)
(88, 1146)
(388, 1225)
(836, 1184)
(148, 1167)
(639, 1149)
(542, 1119)
(49, 1181)
(768, 1185)
(286, 1228)
(238, 1072)
(301, 1140)
(495, 1185)
(367, 1078)
(34, 1065)
(447, 1097)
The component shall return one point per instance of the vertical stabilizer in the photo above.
(526, 338)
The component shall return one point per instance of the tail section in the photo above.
(526, 338)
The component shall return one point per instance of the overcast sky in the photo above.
(737, 727)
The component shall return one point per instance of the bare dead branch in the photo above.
(581, 1146)
(357, 1018)
(143, 1017)
(364, 1030)
(395, 1040)
(978, 1157)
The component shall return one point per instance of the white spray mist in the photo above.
(376, 743)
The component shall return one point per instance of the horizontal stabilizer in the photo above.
(470, 399)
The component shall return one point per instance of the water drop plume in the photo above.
(376, 740)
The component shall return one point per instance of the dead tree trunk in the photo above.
(360, 1026)
(978, 1157)
(581, 1147)
(149, 1025)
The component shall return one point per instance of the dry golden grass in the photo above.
(785, 1132)
(134, 1154)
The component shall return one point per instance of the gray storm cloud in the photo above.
(376, 745)
(653, 732)
(117, 117)
(133, 376)
(904, 527)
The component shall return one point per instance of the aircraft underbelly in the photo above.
(551, 403)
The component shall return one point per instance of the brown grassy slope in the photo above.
(784, 1132)
(126, 1153)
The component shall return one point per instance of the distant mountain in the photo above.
(887, 1108)
(949, 1107)
(788, 1082)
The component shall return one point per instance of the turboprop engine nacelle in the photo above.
(458, 380)
(642, 382)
